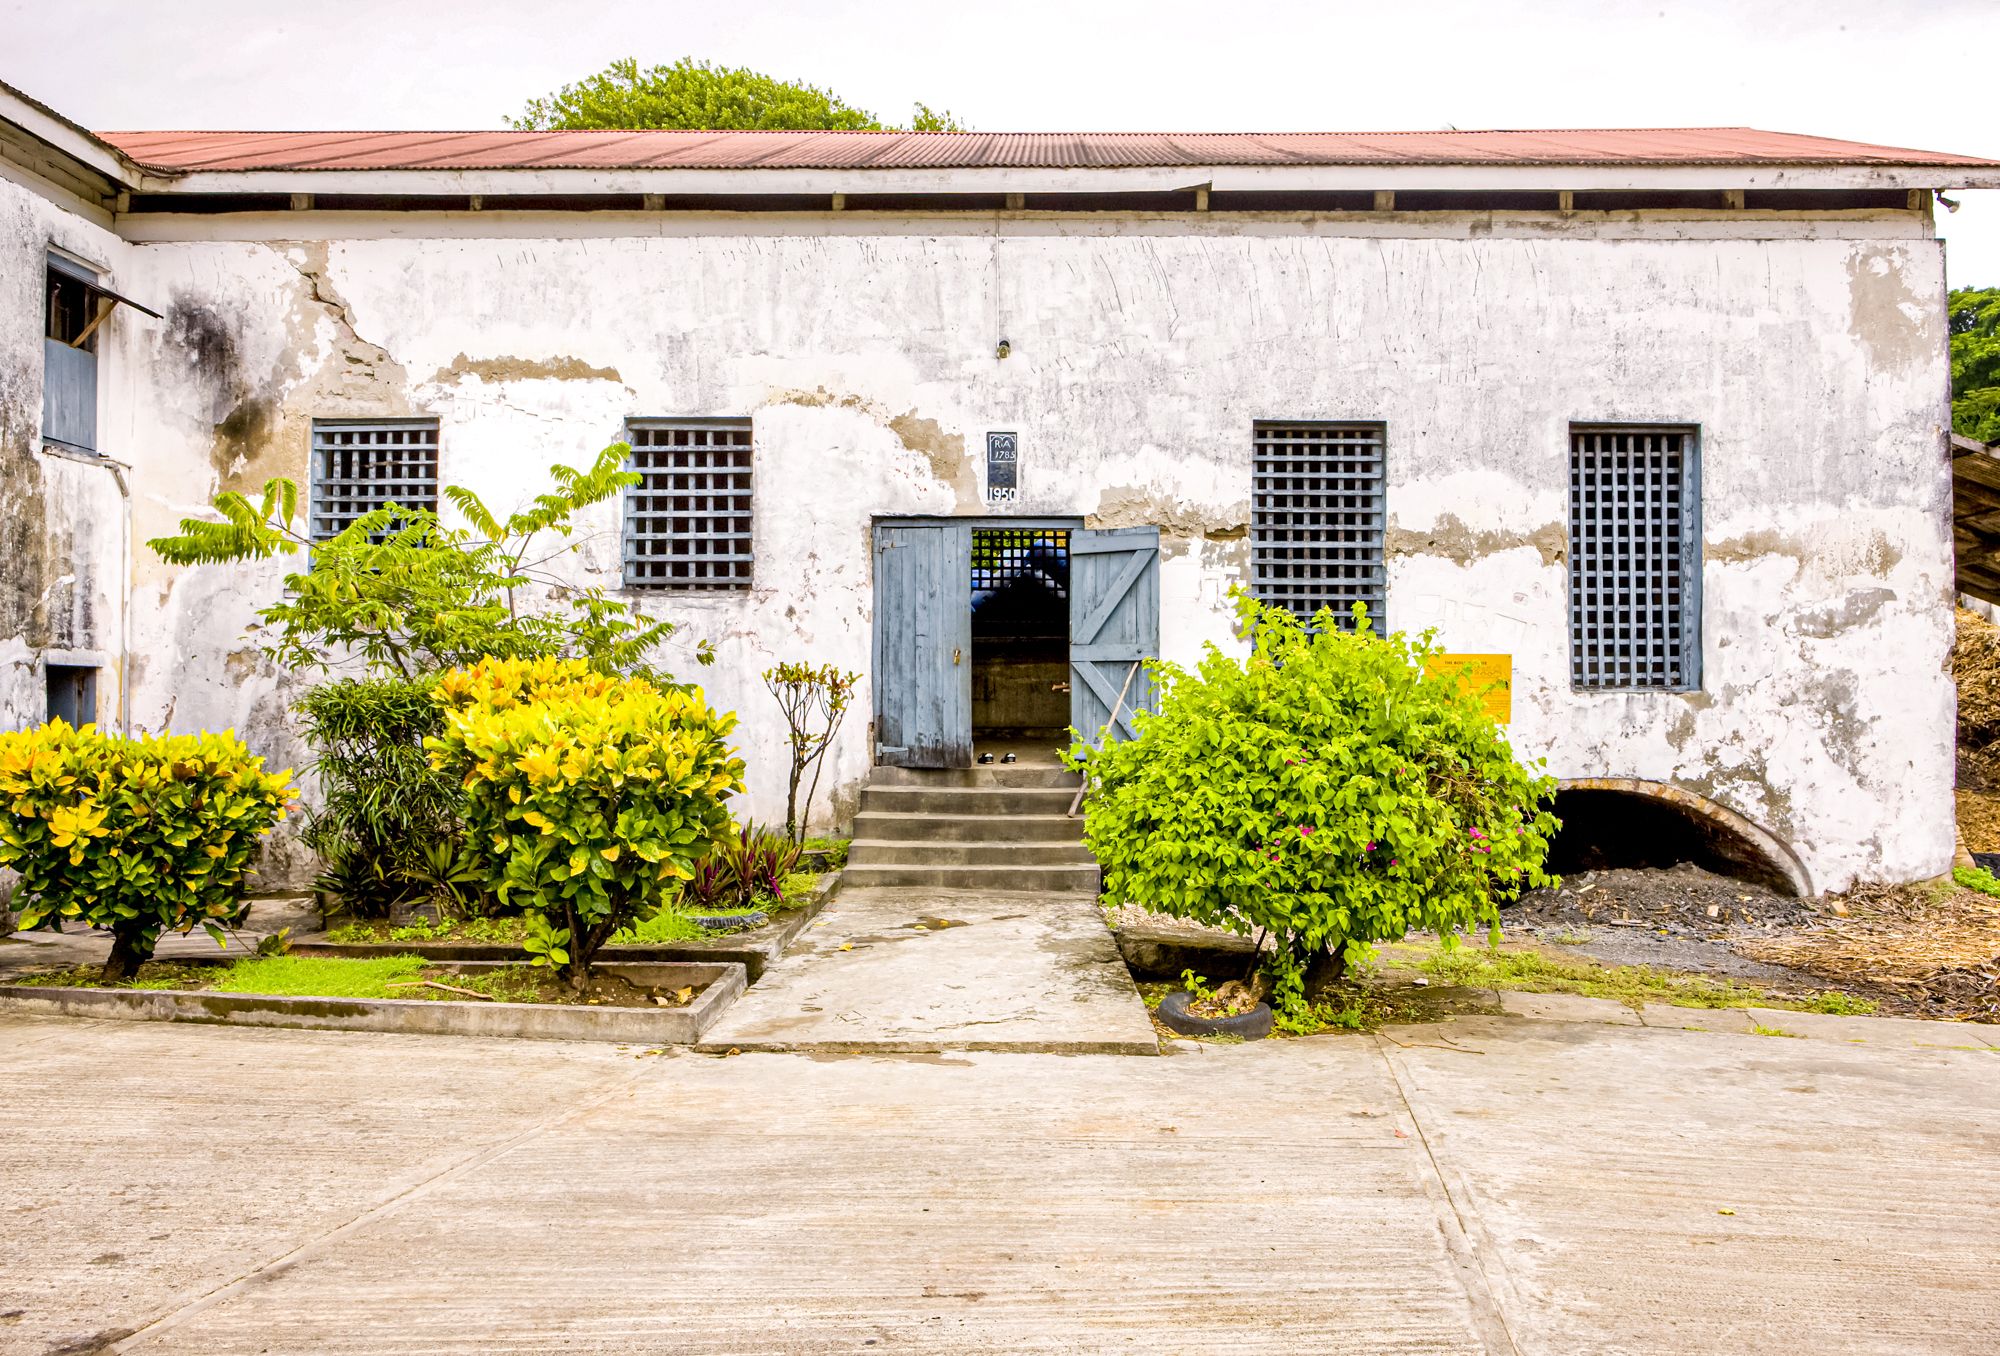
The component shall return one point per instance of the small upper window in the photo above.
(687, 521)
(72, 313)
(72, 694)
(75, 305)
(1634, 558)
(358, 467)
(1317, 520)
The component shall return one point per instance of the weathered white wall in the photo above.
(1139, 358)
(61, 520)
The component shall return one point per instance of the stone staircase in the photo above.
(1000, 827)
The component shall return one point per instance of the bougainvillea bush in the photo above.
(589, 797)
(137, 836)
(1326, 790)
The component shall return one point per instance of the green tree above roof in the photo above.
(695, 95)
(1975, 363)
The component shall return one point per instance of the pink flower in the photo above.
(1371, 847)
(1395, 861)
(1305, 830)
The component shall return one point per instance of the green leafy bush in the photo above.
(588, 798)
(1325, 791)
(385, 810)
(137, 836)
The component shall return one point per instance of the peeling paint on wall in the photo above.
(563, 368)
(1450, 539)
(1899, 328)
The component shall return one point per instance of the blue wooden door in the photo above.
(923, 645)
(1114, 625)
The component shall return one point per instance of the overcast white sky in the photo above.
(1899, 72)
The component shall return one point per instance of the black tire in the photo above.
(1253, 1025)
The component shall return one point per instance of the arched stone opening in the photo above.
(1614, 822)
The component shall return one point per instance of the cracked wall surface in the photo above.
(1137, 363)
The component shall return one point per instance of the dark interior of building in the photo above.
(1020, 637)
(1608, 830)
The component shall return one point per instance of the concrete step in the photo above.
(1036, 879)
(992, 774)
(875, 852)
(890, 825)
(968, 800)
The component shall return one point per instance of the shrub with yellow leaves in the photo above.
(138, 836)
(589, 798)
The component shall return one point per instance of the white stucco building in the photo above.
(1659, 416)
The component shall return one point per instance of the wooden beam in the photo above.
(302, 202)
(105, 306)
(1385, 199)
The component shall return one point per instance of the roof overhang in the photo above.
(36, 138)
(987, 180)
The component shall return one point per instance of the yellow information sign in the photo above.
(1489, 676)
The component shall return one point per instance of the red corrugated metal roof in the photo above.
(191, 151)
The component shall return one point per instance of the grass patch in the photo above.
(834, 848)
(1759, 1029)
(1533, 971)
(506, 930)
(152, 975)
(1839, 1004)
(1977, 878)
(319, 976)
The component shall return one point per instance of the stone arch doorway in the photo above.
(1613, 822)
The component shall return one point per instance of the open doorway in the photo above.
(1020, 643)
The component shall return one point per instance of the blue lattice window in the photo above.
(1317, 519)
(359, 466)
(687, 522)
(1634, 558)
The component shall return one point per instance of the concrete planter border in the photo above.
(754, 951)
(722, 982)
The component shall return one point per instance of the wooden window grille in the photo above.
(1317, 519)
(360, 467)
(1634, 558)
(687, 522)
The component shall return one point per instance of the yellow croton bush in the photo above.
(136, 835)
(589, 797)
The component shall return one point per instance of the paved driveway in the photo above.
(1491, 1185)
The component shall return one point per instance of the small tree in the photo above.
(814, 700)
(403, 595)
(1326, 790)
(407, 594)
(137, 836)
(589, 799)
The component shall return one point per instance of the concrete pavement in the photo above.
(927, 969)
(1486, 1185)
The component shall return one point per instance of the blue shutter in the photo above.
(1114, 625)
(69, 395)
(923, 646)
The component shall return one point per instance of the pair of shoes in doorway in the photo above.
(1005, 758)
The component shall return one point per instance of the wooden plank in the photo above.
(923, 650)
(1114, 624)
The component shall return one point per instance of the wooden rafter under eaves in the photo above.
(1975, 517)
